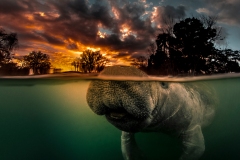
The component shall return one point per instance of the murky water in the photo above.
(50, 119)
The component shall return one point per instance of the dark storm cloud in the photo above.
(178, 12)
(67, 22)
(130, 15)
(97, 12)
(80, 7)
(10, 7)
(121, 55)
(226, 10)
(163, 13)
(110, 40)
(72, 46)
(29, 37)
(82, 24)
(101, 14)
(51, 39)
(17, 7)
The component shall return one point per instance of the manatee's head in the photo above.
(126, 104)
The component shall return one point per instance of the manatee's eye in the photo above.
(164, 84)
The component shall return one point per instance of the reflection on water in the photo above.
(40, 121)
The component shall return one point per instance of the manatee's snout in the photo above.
(126, 104)
(122, 97)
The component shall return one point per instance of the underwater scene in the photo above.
(119, 80)
(49, 118)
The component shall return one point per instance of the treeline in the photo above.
(89, 61)
(188, 48)
(36, 60)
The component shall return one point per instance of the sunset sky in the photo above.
(121, 29)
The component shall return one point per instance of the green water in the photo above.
(51, 120)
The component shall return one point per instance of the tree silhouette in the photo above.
(92, 61)
(38, 61)
(76, 64)
(189, 49)
(7, 43)
(195, 42)
(101, 61)
(224, 61)
(140, 62)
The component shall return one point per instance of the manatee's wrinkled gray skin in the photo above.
(140, 106)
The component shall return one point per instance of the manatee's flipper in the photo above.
(129, 147)
(193, 144)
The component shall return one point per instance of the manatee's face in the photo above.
(126, 104)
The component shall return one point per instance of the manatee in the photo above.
(178, 109)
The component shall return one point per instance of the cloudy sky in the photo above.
(121, 29)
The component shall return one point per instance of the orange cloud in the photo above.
(65, 29)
